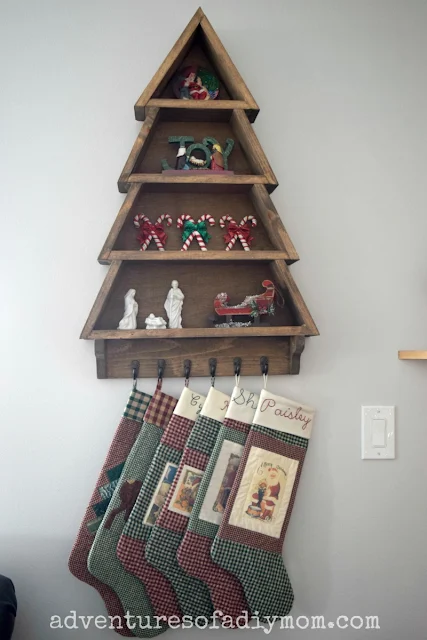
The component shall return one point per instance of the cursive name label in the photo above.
(242, 406)
(285, 415)
(189, 404)
(216, 405)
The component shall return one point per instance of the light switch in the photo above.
(378, 433)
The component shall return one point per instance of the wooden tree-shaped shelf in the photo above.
(243, 192)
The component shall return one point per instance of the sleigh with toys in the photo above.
(247, 312)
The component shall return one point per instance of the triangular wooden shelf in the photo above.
(247, 160)
(201, 275)
(198, 44)
(271, 241)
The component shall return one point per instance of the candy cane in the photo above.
(195, 235)
(242, 239)
(141, 218)
(227, 219)
(160, 219)
(222, 223)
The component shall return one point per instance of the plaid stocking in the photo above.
(167, 533)
(194, 554)
(131, 547)
(103, 562)
(250, 538)
(125, 436)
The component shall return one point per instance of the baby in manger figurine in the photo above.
(173, 306)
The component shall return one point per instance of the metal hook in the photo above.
(237, 366)
(263, 361)
(135, 372)
(161, 364)
(212, 368)
(187, 371)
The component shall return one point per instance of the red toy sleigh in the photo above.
(253, 306)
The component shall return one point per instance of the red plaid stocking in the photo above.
(122, 443)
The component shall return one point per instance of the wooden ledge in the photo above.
(202, 332)
(182, 256)
(412, 355)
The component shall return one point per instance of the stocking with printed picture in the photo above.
(171, 524)
(154, 490)
(250, 539)
(124, 438)
(194, 554)
(103, 563)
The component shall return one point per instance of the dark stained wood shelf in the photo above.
(204, 256)
(202, 332)
(242, 191)
(271, 240)
(191, 177)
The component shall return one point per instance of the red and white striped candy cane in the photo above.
(139, 221)
(242, 239)
(160, 219)
(195, 235)
(228, 219)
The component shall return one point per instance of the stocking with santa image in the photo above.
(250, 538)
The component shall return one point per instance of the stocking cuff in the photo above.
(281, 414)
(136, 405)
(160, 409)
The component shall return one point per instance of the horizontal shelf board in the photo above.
(412, 355)
(202, 105)
(195, 179)
(202, 332)
(230, 256)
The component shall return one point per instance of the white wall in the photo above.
(343, 96)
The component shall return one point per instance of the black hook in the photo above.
(263, 361)
(237, 366)
(135, 372)
(187, 371)
(161, 364)
(212, 368)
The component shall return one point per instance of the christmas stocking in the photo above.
(131, 547)
(125, 436)
(250, 538)
(194, 554)
(171, 524)
(103, 562)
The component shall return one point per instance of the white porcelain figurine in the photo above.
(173, 306)
(155, 322)
(131, 311)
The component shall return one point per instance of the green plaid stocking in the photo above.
(250, 538)
(103, 562)
(122, 443)
(194, 554)
(171, 524)
(131, 547)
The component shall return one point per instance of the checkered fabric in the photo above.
(194, 554)
(102, 561)
(108, 479)
(168, 532)
(255, 558)
(131, 547)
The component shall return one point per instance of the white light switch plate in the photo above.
(378, 433)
